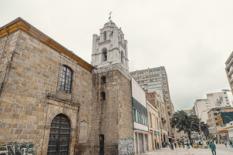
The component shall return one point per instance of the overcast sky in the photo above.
(191, 38)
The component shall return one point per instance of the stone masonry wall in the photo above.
(113, 116)
(29, 96)
(125, 142)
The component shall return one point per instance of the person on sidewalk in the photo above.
(230, 143)
(225, 142)
(212, 147)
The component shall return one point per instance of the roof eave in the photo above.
(20, 24)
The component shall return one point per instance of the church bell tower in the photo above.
(110, 47)
(112, 113)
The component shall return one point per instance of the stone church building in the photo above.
(53, 102)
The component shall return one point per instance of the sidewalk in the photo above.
(168, 151)
(221, 150)
(223, 147)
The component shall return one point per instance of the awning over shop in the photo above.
(227, 117)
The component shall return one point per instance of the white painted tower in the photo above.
(110, 47)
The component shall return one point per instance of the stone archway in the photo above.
(59, 137)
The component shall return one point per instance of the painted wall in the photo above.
(138, 93)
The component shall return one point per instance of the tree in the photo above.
(187, 123)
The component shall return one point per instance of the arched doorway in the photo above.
(59, 137)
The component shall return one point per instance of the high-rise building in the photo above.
(155, 79)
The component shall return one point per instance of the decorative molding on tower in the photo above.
(111, 68)
(110, 48)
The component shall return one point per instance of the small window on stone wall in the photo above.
(103, 79)
(65, 79)
(102, 96)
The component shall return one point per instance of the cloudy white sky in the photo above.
(191, 38)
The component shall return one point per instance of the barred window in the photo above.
(65, 81)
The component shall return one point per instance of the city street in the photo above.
(110, 77)
(221, 150)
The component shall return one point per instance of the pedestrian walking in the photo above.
(172, 146)
(225, 143)
(230, 143)
(212, 147)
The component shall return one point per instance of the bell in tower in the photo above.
(110, 48)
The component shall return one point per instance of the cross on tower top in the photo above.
(110, 16)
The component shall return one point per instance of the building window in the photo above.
(134, 114)
(139, 113)
(151, 120)
(104, 54)
(101, 144)
(105, 35)
(102, 96)
(65, 81)
(103, 79)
